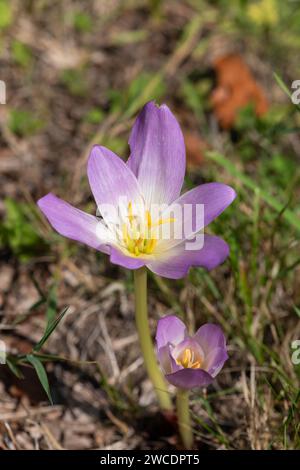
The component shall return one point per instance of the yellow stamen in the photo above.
(130, 213)
(150, 246)
(137, 235)
(148, 217)
(125, 233)
(140, 243)
(187, 360)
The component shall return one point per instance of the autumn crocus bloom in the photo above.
(189, 361)
(153, 175)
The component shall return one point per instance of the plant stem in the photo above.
(184, 418)
(142, 324)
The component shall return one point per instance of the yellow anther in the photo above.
(196, 365)
(130, 212)
(150, 246)
(187, 359)
(125, 233)
(148, 217)
(137, 236)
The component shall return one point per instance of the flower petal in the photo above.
(129, 262)
(215, 361)
(190, 378)
(176, 262)
(74, 223)
(210, 337)
(195, 209)
(166, 360)
(170, 329)
(112, 182)
(157, 154)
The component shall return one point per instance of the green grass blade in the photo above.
(286, 213)
(49, 330)
(41, 373)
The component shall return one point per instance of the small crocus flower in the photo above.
(153, 176)
(189, 361)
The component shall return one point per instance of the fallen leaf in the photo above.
(236, 88)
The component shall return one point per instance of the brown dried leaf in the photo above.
(236, 88)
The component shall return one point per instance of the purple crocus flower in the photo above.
(189, 361)
(153, 175)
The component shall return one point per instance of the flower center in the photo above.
(189, 359)
(139, 234)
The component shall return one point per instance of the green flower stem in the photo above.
(184, 418)
(142, 324)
